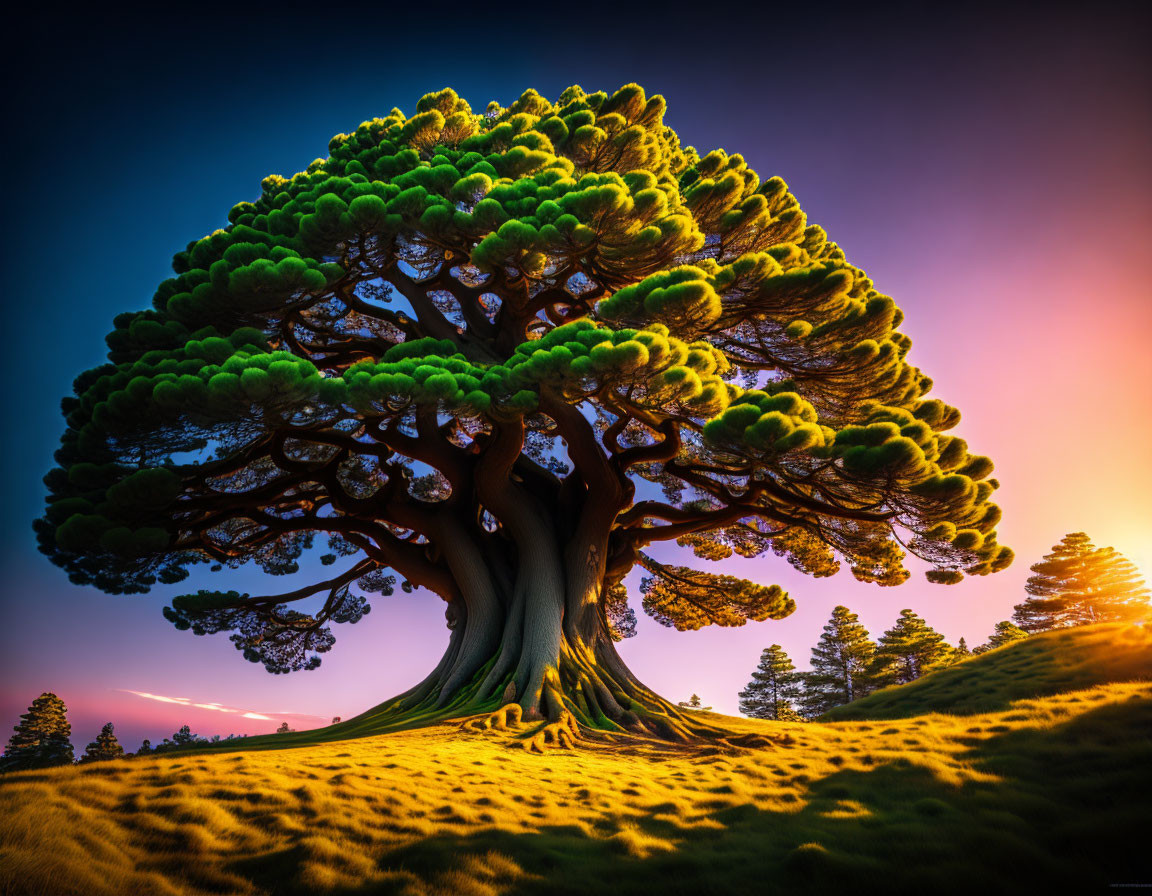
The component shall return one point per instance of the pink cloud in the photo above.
(219, 707)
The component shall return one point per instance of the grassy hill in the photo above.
(1048, 663)
(1053, 791)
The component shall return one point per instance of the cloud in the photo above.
(220, 707)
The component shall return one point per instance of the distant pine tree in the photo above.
(840, 662)
(959, 652)
(908, 650)
(1078, 584)
(145, 748)
(775, 688)
(41, 739)
(693, 702)
(180, 740)
(105, 746)
(1005, 633)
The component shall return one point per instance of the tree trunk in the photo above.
(541, 646)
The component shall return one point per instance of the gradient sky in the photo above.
(990, 173)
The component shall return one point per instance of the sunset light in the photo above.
(578, 451)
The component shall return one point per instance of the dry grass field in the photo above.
(1054, 792)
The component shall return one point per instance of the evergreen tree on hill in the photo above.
(775, 689)
(908, 650)
(105, 747)
(41, 738)
(498, 356)
(1004, 633)
(145, 748)
(961, 651)
(840, 663)
(181, 739)
(1078, 584)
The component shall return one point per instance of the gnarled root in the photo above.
(563, 733)
(505, 718)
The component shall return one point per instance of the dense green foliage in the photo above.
(41, 738)
(775, 690)
(477, 352)
(1047, 663)
(1078, 584)
(906, 651)
(105, 747)
(840, 664)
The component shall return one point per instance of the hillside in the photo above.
(1048, 663)
(1051, 791)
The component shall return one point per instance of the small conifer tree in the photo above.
(105, 747)
(961, 651)
(908, 650)
(693, 702)
(840, 662)
(1078, 584)
(775, 688)
(41, 739)
(1005, 633)
(180, 740)
(145, 748)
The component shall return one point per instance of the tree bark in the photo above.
(543, 645)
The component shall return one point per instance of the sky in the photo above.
(990, 172)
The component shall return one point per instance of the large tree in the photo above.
(1078, 584)
(498, 356)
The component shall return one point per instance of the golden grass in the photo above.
(1050, 790)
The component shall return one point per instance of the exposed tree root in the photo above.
(563, 733)
(507, 717)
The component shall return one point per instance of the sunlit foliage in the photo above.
(41, 738)
(840, 665)
(1079, 583)
(477, 351)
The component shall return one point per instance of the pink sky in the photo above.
(1002, 195)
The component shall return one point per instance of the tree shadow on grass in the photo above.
(1068, 810)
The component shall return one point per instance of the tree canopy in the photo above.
(775, 689)
(1078, 584)
(498, 355)
(1005, 633)
(41, 738)
(105, 747)
(841, 664)
(908, 650)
